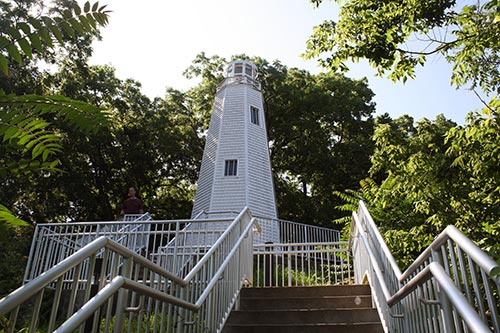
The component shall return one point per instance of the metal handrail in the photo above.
(109, 291)
(373, 259)
(385, 249)
(23, 293)
(119, 283)
(214, 247)
(66, 238)
(423, 270)
(451, 232)
(432, 270)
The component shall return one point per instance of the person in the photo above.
(132, 205)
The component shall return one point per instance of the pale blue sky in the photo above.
(153, 42)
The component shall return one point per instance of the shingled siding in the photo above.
(205, 180)
(261, 198)
(228, 192)
(232, 136)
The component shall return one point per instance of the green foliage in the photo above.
(141, 322)
(6, 215)
(28, 144)
(23, 127)
(14, 248)
(397, 36)
(29, 35)
(435, 174)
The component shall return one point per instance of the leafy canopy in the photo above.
(434, 173)
(396, 36)
(29, 141)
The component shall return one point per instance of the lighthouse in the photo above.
(236, 169)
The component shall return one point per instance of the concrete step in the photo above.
(325, 302)
(314, 328)
(338, 309)
(304, 316)
(319, 291)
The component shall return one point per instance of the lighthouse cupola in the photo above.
(241, 68)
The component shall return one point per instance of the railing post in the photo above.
(30, 256)
(121, 302)
(289, 263)
(443, 300)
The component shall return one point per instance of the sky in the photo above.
(154, 41)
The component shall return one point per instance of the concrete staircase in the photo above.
(334, 309)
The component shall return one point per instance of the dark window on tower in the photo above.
(238, 68)
(248, 70)
(254, 115)
(231, 168)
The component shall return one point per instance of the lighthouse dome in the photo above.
(241, 68)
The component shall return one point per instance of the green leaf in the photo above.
(495, 272)
(4, 42)
(14, 53)
(91, 20)
(25, 46)
(44, 34)
(35, 23)
(95, 6)
(77, 9)
(57, 33)
(24, 27)
(68, 29)
(36, 42)
(4, 67)
(84, 22)
(76, 26)
(10, 219)
(67, 14)
(86, 7)
(14, 33)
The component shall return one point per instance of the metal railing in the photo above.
(293, 232)
(283, 231)
(53, 242)
(239, 80)
(449, 288)
(299, 264)
(125, 292)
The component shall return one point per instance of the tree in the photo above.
(435, 173)
(396, 36)
(30, 139)
(28, 143)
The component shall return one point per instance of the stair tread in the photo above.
(333, 297)
(306, 310)
(366, 323)
(310, 309)
(307, 291)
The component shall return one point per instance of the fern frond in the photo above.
(22, 123)
(38, 34)
(6, 217)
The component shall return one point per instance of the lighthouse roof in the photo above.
(241, 68)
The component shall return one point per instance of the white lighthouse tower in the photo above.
(236, 169)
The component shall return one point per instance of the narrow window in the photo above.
(238, 68)
(231, 168)
(248, 70)
(254, 115)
